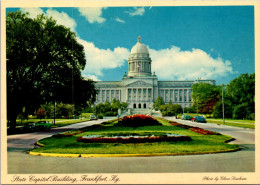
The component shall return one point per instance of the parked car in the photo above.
(29, 126)
(187, 117)
(42, 125)
(200, 119)
(193, 118)
(93, 117)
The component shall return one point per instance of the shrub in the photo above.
(110, 113)
(138, 120)
(240, 111)
(100, 116)
(251, 116)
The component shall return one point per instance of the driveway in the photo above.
(240, 161)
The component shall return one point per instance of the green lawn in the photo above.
(233, 122)
(199, 144)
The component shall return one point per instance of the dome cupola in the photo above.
(139, 61)
(139, 48)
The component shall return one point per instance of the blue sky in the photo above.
(184, 42)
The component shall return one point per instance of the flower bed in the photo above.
(137, 120)
(132, 139)
(194, 129)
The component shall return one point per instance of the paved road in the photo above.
(240, 161)
(242, 135)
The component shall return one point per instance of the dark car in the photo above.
(29, 127)
(93, 117)
(200, 119)
(43, 125)
(187, 117)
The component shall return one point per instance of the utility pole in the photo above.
(223, 108)
(197, 104)
(54, 112)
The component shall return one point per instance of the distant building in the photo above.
(140, 88)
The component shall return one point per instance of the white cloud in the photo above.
(119, 20)
(174, 64)
(32, 11)
(169, 64)
(100, 59)
(61, 18)
(136, 11)
(90, 76)
(92, 14)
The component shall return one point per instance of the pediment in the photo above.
(139, 84)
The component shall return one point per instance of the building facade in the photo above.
(140, 87)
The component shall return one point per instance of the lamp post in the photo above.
(223, 107)
(54, 113)
(197, 103)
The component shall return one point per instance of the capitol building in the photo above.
(140, 87)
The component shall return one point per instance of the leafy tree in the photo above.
(218, 109)
(65, 110)
(205, 96)
(170, 109)
(108, 109)
(158, 102)
(49, 108)
(241, 93)
(43, 65)
(41, 113)
(123, 105)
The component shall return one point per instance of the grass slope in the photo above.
(199, 144)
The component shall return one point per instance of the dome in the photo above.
(139, 48)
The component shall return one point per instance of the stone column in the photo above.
(142, 96)
(152, 95)
(110, 96)
(182, 95)
(131, 93)
(146, 94)
(164, 95)
(178, 97)
(187, 95)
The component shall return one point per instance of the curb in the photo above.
(126, 155)
(39, 144)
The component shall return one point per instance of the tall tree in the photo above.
(44, 61)
(241, 93)
(158, 102)
(205, 96)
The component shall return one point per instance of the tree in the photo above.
(205, 96)
(65, 110)
(43, 65)
(41, 113)
(158, 102)
(241, 93)
(218, 109)
(170, 109)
